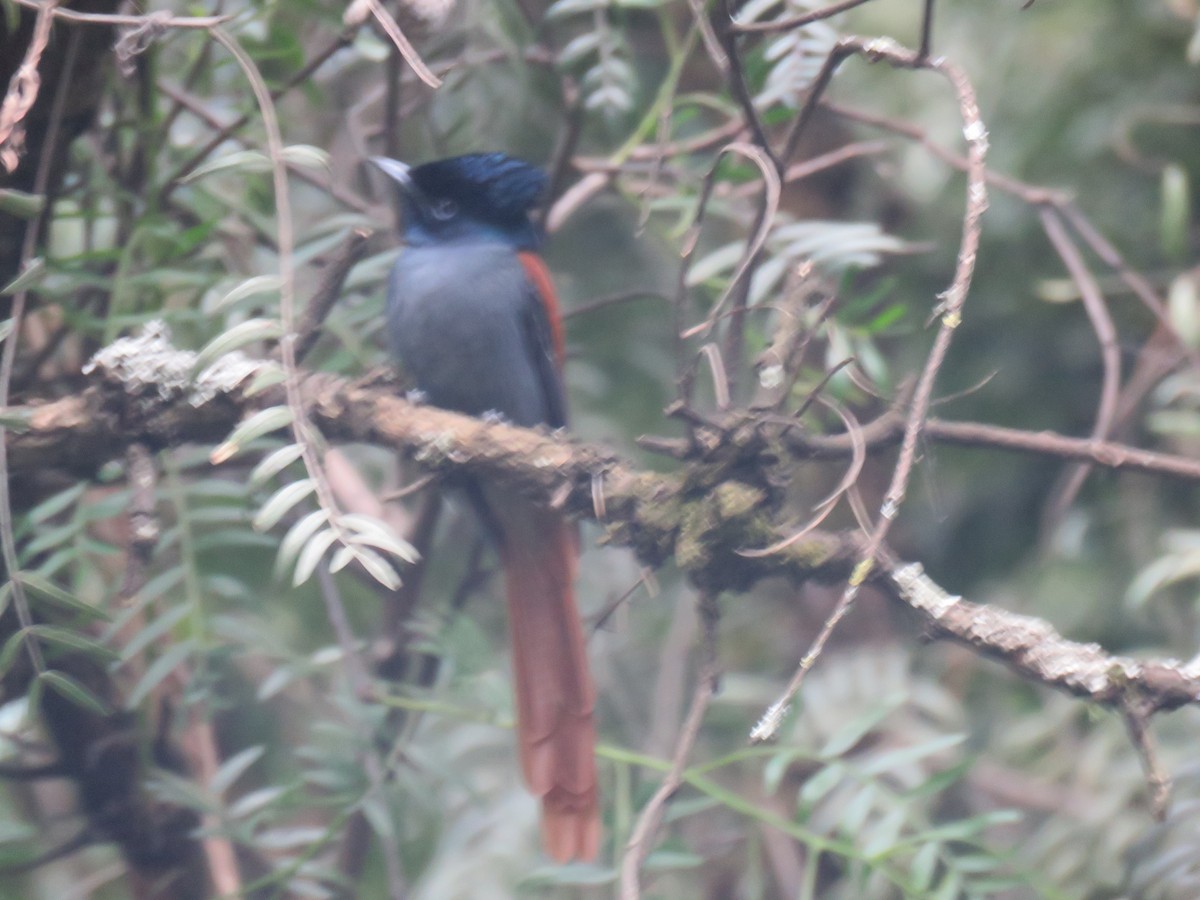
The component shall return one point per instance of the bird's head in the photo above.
(465, 198)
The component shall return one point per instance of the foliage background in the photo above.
(912, 768)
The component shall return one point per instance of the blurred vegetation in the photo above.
(912, 769)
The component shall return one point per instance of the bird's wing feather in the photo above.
(544, 329)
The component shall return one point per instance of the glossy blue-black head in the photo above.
(464, 198)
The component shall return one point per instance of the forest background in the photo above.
(849, 287)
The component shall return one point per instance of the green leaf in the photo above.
(254, 801)
(564, 8)
(31, 276)
(12, 647)
(55, 504)
(924, 866)
(261, 423)
(299, 534)
(52, 595)
(268, 375)
(233, 769)
(281, 502)
(302, 155)
(152, 632)
(672, 860)
(158, 672)
(258, 286)
(368, 530)
(904, 756)
(1183, 307)
(49, 538)
(311, 555)
(288, 838)
(66, 686)
(860, 806)
(238, 336)
(274, 463)
(881, 834)
(1176, 219)
(855, 730)
(584, 45)
(822, 783)
(19, 204)
(574, 875)
(72, 640)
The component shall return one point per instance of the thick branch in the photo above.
(703, 519)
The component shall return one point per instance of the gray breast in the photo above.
(456, 319)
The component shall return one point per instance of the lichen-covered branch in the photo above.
(702, 518)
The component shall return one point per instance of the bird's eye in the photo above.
(444, 209)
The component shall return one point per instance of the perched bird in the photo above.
(472, 315)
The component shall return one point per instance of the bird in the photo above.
(473, 317)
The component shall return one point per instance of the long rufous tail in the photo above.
(556, 727)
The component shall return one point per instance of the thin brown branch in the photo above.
(638, 845)
(1106, 334)
(329, 289)
(302, 75)
(949, 309)
(825, 12)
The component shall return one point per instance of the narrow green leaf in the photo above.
(253, 161)
(298, 536)
(233, 769)
(72, 640)
(564, 8)
(237, 161)
(274, 683)
(66, 686)
(312, 553)
(152, 632)
(238, 336)
(44, 593)
(378, 568)
(20, 204)
(924, 866)
(15, 418)
(52, 506)
(282, 501)
(855, 730)
(254, 801)
(12, 647)
(261, 423)
(904, 756)
(1176, 219)
(49, 538)
(274, 463)
(368, 530)
(30, 276)
(288, 838)
(268, 375)
(158, 671)
(856, 811)
(822, 783)
(882, 834)
(258, 286)
(341, 558)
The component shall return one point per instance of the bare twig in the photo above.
(949, 309)
(825, 12)
(638, 847)
(392, 29)
(329, 289)
(1106, 334)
